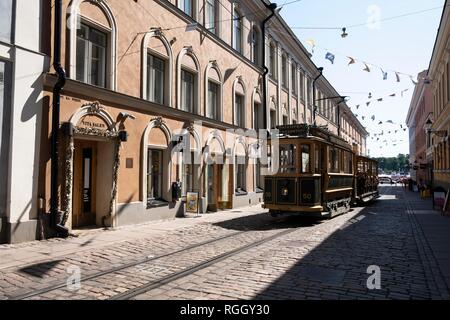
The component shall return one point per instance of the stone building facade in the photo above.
(439, 76)
(160, 92)
(420, 111)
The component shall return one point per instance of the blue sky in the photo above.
(404, 44)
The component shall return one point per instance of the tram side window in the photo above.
(306, 167)
(317, 159)
(334, 160)
(348, 162)
(287, 158)
(360, 166)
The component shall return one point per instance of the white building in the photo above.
(21, 67)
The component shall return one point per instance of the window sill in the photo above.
(152, 203)
(240, 193)
(259, 190)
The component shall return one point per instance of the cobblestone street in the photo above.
(244, 255)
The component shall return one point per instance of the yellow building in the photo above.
(439, 76)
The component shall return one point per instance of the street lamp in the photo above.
(439, 133)
(320, 69)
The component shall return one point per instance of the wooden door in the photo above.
(84, 184)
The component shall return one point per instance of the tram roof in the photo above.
(293, 131)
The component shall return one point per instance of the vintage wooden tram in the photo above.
(318, 174)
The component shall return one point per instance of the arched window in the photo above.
(237, 31)
(213, 97)
(93, 44)
(188, 81)
(240, 168)
(156, 69)
(273, 61)
(156, 158)
(239, 103)
(212, 16)
(256, 46)
(258, 112)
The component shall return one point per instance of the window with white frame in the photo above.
(273, 61)
(284, 71)
(258, 117)
(302, 86)
(212, 16)
(91, 61)
(155, 79)
(240, 173)
(294, 82)
(154, 174)
(237, 31)
(212, 110)
(273, 119)
(255, 46)
(187, 90)
(6, 19)
(187, 6)
(239, 114)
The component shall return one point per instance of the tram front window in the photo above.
(287, 158)
(305, 158)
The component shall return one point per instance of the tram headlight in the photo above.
(284, 192)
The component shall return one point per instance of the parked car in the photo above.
(385, 179)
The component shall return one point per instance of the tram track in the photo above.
(63, 284)
(188, 271)
(204, 247)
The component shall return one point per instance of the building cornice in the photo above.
(121, 100)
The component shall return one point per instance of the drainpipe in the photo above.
(61, 231)
(272, 8)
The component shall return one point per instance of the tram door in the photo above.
(84, 184)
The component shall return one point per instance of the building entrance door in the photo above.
(85, 184)
(211, 187)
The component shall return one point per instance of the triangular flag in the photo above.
(367, 103)
(381, 122)
(366, 67)
(363, 117)
(330, 56)
(404, 92)
(352, 61)
(385, 74)
(390, 121)
(397, 76)
(379, 100)
(357, 107)
(404, 129)
(396, 131)
(415, 82)
(392, 95)
(373, 118)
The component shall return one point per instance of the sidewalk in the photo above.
(13, 255)
(435, 229)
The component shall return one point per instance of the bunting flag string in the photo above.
(384, 98)
(331, 56)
